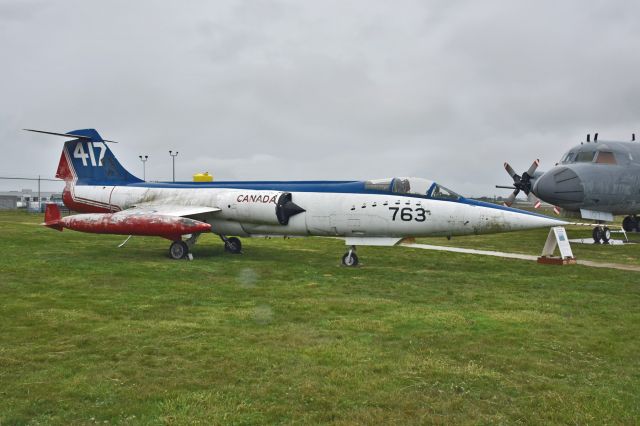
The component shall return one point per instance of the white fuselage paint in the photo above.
(326, 214)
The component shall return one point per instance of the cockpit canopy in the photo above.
(602, 153)
(411, 186)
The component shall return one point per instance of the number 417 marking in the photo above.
(80, 153)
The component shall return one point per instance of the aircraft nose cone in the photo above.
(560, 186)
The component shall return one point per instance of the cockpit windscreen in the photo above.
(412, 186)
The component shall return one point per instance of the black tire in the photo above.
(606, 235)
(178, 250)
(233, 245)
(629, 224)
(597, 235)
(350, 260)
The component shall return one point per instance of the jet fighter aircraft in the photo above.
(379, 212)
(595, 180)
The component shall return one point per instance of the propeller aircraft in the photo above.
(381, 212)
(594, 180)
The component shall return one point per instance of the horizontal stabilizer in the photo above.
(71, 135)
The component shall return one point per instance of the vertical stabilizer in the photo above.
(87, 160)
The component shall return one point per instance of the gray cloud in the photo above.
(323, 90)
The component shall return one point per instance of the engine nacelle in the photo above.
(264, 207)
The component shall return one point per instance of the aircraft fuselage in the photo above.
(247, 212)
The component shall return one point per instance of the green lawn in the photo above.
(282, 334)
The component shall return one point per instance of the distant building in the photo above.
(8, 202)
(27, 198)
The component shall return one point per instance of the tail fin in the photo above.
(88, 160)
(52, 217)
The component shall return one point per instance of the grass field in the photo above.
(282, 334)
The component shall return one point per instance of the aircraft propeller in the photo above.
(521, 183)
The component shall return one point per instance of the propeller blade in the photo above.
(533, 168)
(534, 200)
(511, 172)
(505, 187)
(511, 198)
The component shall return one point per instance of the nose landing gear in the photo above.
(350, 258)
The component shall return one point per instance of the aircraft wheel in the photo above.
(606, 235)
(597, 235)
(178, 250)
(233, 245)
(350, 259)
(630, 224)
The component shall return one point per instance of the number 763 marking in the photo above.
(407, 214)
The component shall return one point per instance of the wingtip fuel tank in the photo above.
(122, 223)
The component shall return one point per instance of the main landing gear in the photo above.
(350, 258)
(182, 249)
(631, 224)
(601, 234)
(232, 245)
(178, 250)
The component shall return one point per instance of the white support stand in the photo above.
(557, 238)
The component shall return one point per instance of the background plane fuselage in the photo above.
(600, 176)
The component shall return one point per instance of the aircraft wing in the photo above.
(168, 210)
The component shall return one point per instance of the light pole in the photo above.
(144, 158)
(173, 159)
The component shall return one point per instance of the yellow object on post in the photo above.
(203, 177)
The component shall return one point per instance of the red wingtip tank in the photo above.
(170, 227)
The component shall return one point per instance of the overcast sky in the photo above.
(283, 90)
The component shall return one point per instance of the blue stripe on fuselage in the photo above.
(348, 186)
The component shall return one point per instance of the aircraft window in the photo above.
(442, 193)
(606, 157)
(585, 156)
(568, 158)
